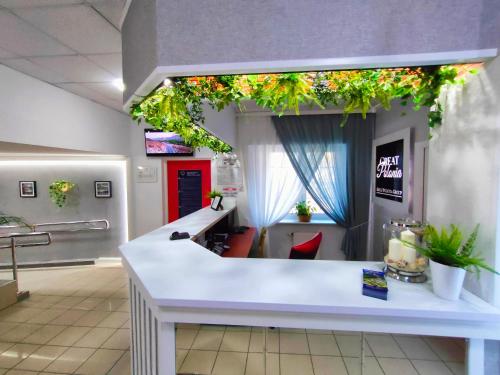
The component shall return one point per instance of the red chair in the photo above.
(308, 249)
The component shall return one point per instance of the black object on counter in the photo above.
(179, 236)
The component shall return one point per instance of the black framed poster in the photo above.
(189, 185)
(389, 170)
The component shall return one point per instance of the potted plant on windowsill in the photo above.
(450, 258)
(304, 211)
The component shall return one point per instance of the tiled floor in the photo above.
(77, 322)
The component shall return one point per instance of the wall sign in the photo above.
(389, 170)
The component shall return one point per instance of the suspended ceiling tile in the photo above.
(106, 89)
(79, 27)
(20, 38)
(4, 54)
(86, 92)
(112, 10)
(74, 68)
(36, 3)
(27, 67)
(112, 62)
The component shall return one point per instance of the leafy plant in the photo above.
(447, 247)
(59, 190)
(304, 209)
(214, 193)
(178, 106)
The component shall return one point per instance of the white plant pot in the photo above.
(447, 281)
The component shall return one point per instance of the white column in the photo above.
(475, 357)
(166, 348)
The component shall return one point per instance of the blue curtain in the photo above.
(334, 164)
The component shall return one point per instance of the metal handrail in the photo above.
(36, 227)
(13, 244)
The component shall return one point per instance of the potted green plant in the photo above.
(59, 190)
(450, 258)
(215, 193)
(304, 211)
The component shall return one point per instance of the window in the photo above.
(318, 214)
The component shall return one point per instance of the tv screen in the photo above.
(160, 143)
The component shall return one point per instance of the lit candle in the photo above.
(408, 253)
(394, 249)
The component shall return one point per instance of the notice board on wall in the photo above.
(389, 175)
(189, 182)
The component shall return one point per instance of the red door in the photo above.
(173, 168)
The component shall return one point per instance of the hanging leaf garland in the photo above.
(178, 107)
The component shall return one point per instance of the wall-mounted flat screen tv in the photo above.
(160, 143)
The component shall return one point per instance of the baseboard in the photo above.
(108, 261)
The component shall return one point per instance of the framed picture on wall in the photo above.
(102, 189)
(27, 189)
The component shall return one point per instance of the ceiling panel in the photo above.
(34, 70)
(80, 27)
(38, 3)
(74, 68)
(24, 40)
(81, 90)
(4, 54)
(106, 89)
(112, 62)
(112, 10)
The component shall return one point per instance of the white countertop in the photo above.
(184, 274)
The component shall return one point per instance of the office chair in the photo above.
(308, 249)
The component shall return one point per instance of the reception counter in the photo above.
(182, 282)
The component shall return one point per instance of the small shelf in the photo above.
(240, 244)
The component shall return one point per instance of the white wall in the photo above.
(464, 178)
(37, 113)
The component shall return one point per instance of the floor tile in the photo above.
(257, 343)
(6, 326)
(70, 360)
(397, 366)
(69, 336)
(230, 363)
(20, 372)
(68, 317)
(384, 346)
(319, 331)
(114, 320)
(326, 365)
(350, 346)
(15, 354)
(41, 358)
(238, 328)
(120, 339)
(431, 367)
(109, 304)
(44, 334)
(180, 356)
(184, 338)
(371, 366)
(456, 368)
(5, 345)
(199, 362)
(187, 326)
(323, 344)
(68, 302)
(415, 347)
(100, 362)
(235, 341)
(255, 364)
(46, 316)
(88, 304)
(293, 343)
(92, 318)
(212, 327)
(294, 364)
(95, 337)
(122, 366)
(446, 348)
(208, 340)
(20, 332)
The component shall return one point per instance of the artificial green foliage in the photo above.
(303, 208)
(178, 107)
(59, 190)
(448, 248)
(214, 193)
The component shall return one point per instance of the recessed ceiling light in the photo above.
(118, 83)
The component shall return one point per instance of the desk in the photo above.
(182, 282)
(240, 244)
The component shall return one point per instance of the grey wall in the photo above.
(84, 207)
(464, 179)
(192, 33)
(389, 122)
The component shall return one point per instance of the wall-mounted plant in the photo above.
(177, 107)
(59, 190)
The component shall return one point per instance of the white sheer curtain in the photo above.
(272, 184)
